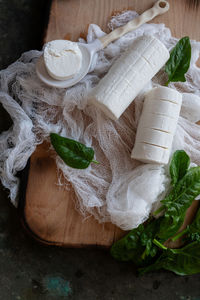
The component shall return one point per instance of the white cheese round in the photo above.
(161, 107)
(165, 93)
(154, 137)
(160, 122)
(150, 154)
(62, 59)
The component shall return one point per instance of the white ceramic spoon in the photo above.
(88, 50)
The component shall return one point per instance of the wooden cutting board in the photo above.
(49, 210)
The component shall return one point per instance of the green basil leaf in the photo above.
(178, 201)
(184, 261)
(179, 165)
(73, 153)
(129, 247)
(179, 61)
(137, 246)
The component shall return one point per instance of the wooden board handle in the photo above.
(159, 8)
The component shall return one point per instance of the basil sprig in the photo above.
(178, 201)
(179, 61)
(144, 246)
(137, 246)
(73, 153)
(184, 261)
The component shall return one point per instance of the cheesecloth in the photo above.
(119, 189)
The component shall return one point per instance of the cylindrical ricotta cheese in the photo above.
(128, 75)
(157, 125)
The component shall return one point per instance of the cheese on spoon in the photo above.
(62, 59)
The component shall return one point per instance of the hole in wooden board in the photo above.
(162, 4)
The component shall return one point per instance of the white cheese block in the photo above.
(157, 126)
(154, 137)
(160, 122)
(165, 93)
(150, 153)
(128, 75)
(161, 107)
(62, 59)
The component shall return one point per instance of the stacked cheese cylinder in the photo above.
(128, 75)
(157, 126)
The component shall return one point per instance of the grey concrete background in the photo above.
(30, 271)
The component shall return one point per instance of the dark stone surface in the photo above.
(29, 270)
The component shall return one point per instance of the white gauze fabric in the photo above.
(119, 189)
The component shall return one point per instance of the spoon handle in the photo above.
(159, 8)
